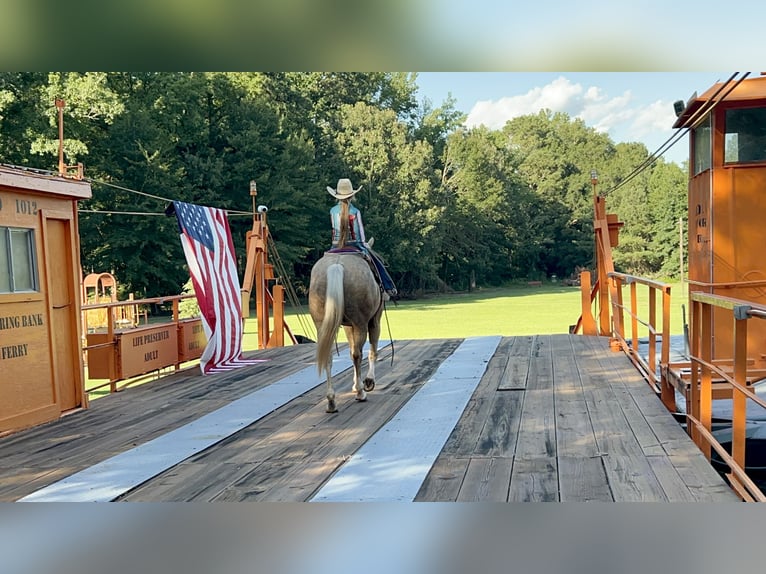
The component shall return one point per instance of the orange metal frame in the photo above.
(606, 229)
(651, 365)
(269, 294)
(733, 377)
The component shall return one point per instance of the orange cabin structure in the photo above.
(41, 368)
(727, 203)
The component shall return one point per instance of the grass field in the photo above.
(506, 311)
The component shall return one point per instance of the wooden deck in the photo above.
(551, 418)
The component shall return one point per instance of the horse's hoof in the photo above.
(361, 397)
(331, 408)
(369, 384)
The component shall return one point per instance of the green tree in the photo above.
(667, 203)
(399, 199)
(557, 155)
(192, 137)
(23, 119)
(449, 207)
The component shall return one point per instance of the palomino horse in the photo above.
(343, 291)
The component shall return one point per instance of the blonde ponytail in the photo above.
(344, 229)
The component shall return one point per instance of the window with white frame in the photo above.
(18, 271)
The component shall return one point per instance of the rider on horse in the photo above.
(348, 231)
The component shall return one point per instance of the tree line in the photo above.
(449, 207)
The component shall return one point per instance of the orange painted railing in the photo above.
(120, 352)
(706, 379)
(734, 375)
(647, 318)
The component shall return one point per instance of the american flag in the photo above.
(209, 250)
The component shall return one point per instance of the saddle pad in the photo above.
(349, 249)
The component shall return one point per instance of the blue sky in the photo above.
(629, 106)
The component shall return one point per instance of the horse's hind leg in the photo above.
(356, 338)
(332, 407)
(372, 355)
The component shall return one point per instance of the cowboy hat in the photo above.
(345, 189)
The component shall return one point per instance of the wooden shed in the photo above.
(727, 203)
(41, 368)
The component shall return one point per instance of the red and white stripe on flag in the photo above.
(209, 250)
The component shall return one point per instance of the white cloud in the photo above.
(559, 95)
(656, 117)
(617, 115)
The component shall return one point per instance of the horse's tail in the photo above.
(333, 315)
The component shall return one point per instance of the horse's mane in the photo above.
(344, 229)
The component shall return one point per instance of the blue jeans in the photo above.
(385, 278)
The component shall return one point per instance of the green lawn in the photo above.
(508, 311)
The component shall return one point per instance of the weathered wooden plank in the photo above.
(634, 396)
(446, 476)
(636, 419)
(613, 434)
(443, 482)
(671, 482)
(462, 441)
(666, 429)
(245, 456)
(517, 369)
(499, 361)
(631, 479)
(189, 482)
(574, 431)
(534, 480)
(120, 473)
(583, 479)
(501, 429)
(24, 480)
(540, 374)
(537, 431)
(610, 425)
(667, 432)
(702, 479)
(486, 480)
(303, 481)
(233, 458)
(277, 432)
(248, 490)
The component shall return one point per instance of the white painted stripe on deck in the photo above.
(392, 465)
(115, 476)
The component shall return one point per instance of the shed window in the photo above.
(701, 147)
(18, 271)
(745, 138)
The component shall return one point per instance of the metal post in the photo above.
(706, 375)
(60, 106)
(739, 400)
(667, 392)
(681, 250)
